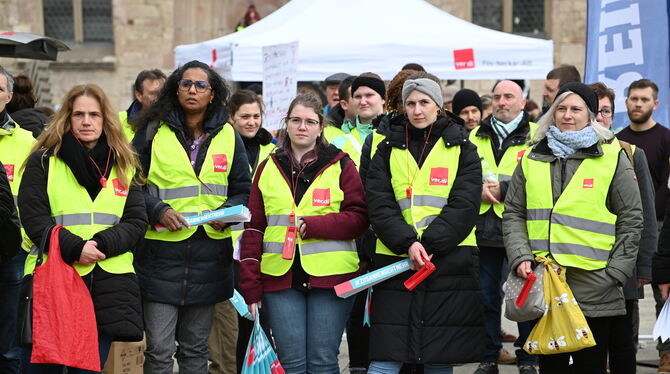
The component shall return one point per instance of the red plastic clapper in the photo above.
(289, 243)
(420, 275)
(525, 290)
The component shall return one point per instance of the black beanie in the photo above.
(375, 84)
(585, 92)
(465, 98)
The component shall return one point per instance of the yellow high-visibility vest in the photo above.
(573, 234)
(319, 257)
(128, 130)
(72, 207)
(172, 179)
(430, 189)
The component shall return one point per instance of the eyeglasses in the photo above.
(297, 121)
(606, 113)
(200, 86)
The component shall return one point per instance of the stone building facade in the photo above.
(145, 32)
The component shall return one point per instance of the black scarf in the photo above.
(76, 156)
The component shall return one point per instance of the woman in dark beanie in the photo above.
(425, 161)
(572, 166)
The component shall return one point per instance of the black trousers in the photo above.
(593, 360)
(358, 336)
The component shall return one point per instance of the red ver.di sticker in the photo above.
(10, 172)
(439, 176)
(588, 183)
(119, 188)
(220, 163)
(321, 197)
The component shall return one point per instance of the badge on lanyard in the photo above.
(289, 240)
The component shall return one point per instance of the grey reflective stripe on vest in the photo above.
(237, 227)
(16, 200)
(73, 219)
(214, 189)
(538, 214)
(106, 219)
(423, 200)
(580, 250)
(278, 220)
(425, 222)
(504, 178)
(173, 193)
(584, 224)
(314, 248)
(34, 250)
(539, 245)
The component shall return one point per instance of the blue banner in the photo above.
(627, 40)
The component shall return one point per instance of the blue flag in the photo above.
(627, 40)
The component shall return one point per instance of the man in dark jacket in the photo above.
(502, 135)
(146, 88)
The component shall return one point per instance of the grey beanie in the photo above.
(425, 85)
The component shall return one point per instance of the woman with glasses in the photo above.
(423, 189)
(194, 162)
(573, 165)
(307, 207)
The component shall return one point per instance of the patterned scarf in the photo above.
(564, 144)
(504, 129)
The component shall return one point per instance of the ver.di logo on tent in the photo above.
(464, 58)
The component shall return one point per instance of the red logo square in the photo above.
(9, 169)
(119, 188)
(519, 155)
(588, 183)
(439, 176)
(321, 197)
(220, 163)
(464, 58)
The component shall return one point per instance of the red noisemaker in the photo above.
(420, 275)
(525, 290)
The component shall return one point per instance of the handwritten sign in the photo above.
(280, 64)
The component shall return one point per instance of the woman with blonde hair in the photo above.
(81, 176)
(582, 209)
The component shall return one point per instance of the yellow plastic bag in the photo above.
(563, 327)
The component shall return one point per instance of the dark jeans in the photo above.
(593, 360)
(11, 273)
(491, 261)
(622, 351)
(104, 344)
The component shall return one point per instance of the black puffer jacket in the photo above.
(116, 297)
(197, 270)
(489, 225)
(441, 321)
(10, 235)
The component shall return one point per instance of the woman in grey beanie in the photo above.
(425, 161)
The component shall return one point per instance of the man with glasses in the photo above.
(625, 350)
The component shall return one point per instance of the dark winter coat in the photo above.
(489, 225)
(197, 270)
(116, 297)
(32, 120)
(441, 321)
(10, 235)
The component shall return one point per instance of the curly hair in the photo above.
(168, 102)
(394, 91)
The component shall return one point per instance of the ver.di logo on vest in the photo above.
(588, 183)
(439, 176)
(10, 172)
(321, 197)
(220, 163)
(119, 188)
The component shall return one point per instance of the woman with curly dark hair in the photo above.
(194, 162)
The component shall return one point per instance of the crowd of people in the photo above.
(479, 186)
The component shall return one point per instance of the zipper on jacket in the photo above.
(184, 283)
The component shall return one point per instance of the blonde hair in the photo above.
(52, 138)
(547, 120)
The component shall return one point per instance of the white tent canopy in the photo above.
(355, 36)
